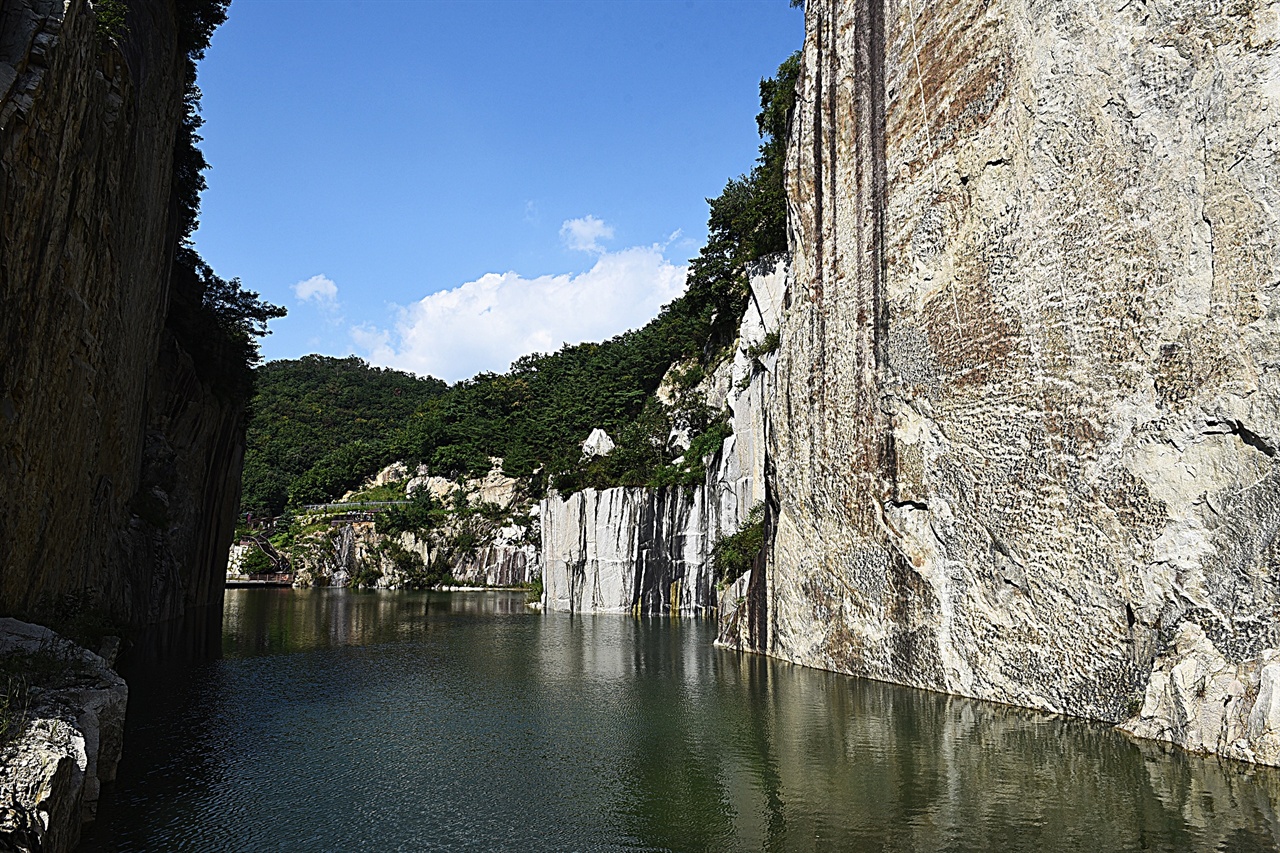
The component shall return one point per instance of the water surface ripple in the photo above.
(339, 721)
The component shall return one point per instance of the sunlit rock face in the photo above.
(1027, 392)
(119, 467)
(650, 551)
(627, 550)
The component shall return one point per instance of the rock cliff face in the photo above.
(1028, 403)
(120, 467)
(489, 544)
(351, 550)
(649, 551)
(627, 549)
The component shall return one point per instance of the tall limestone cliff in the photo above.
(1028, 390)
(119, 464)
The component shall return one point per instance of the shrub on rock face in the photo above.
(734, 555)
(420, 515)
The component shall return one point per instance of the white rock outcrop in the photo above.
(1198, 698)
(494, 487)
(597, 444)
(1028, 383)
(351, 550)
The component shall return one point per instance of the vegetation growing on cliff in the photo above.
(217, 321)
(110, 15)
(321, 425)
(734, 555)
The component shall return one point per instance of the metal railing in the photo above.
(353, 506)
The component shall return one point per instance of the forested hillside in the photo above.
(321, 425)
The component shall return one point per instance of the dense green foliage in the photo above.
(420, 515)
(321, 425)
(735, 554)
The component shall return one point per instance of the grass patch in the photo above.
(767, 345)
(51, 667)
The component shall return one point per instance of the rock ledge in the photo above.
(51, 774)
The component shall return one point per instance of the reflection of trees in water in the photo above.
(274, 621)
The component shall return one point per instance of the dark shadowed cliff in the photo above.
(121, 432)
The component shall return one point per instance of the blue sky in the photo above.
(443, 186)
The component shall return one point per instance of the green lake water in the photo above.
(339, 721)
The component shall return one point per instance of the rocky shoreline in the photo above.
(71, 734)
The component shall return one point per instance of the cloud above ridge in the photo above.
(584, 234)
(486, 324)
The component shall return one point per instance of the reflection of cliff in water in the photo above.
(751, 752)
(195, 636)
(375, 720)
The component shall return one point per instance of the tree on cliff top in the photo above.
(215, 320)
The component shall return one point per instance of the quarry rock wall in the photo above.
(1027, 401)
(120, 467)
(649, 551)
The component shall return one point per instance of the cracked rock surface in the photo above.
(1028, 388)
(52, 772)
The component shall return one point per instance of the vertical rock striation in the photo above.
(648, 551)
(627, 550)
(1028, 403)
(120, 465)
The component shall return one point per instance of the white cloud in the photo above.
(370, 338)
(317, 288)
(488, 323)
(585, 234)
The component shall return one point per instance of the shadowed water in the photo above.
(413, 721)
